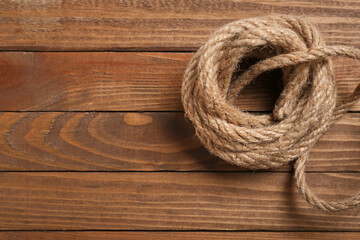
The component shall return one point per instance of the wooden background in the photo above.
(94, 144)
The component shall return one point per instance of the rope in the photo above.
(304, 111)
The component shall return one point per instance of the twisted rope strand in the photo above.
(304, 111)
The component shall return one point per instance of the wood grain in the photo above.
(59, 25)
(126, 235)
(171, 201)
(82, 110)
(84, 141)
(123, 82)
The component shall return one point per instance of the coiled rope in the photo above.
(304, 111)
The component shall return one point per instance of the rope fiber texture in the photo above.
(304, 111)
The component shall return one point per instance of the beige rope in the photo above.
(303, 113)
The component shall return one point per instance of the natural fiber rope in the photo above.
(304, 111)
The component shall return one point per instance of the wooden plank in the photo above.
(58, 25)
(122, 82)
(91, 81)
(125, 235)
(171, 201)
(139, 142)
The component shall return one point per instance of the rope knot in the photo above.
(303, 112)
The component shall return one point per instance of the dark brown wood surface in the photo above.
(140, 81)
(88, 141)
(171, 201)
(126, 235)
(135, 25)
(93, 140)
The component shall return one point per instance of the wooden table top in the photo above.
(93, 139)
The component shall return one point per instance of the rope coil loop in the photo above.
(304, 111)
